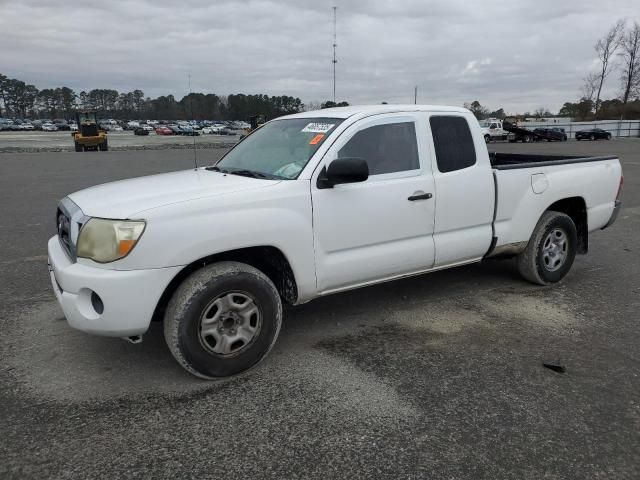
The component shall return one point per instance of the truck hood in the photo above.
(123, 199)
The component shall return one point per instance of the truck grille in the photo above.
(89, 130)
(64, 231)
(69, 221)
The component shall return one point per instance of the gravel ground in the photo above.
(438, 376)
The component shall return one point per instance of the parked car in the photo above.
(140, 131)
(349, 198)
(26, 126)
(228, 131)
(49, 127)
(189, 131)
(162, 130)
(63, 126)
(550, 134)
(175, 129)
(593, 134)
(561, 131)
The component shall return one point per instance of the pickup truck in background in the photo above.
(308, 205)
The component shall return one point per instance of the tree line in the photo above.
(21, 100)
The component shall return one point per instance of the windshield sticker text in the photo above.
(318, 127)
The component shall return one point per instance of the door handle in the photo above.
(421, 196)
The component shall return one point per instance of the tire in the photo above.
(487, 138)
(78, 147)
(223, 290)
(609, 136)
(541, 260)
(104, 146)
(592, 137)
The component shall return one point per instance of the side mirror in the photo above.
(343, 170)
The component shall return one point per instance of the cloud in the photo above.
(473, 67)
(515, 55)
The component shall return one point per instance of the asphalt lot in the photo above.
(438, 376)
(34, 141)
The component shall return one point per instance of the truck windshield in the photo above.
(279, 149)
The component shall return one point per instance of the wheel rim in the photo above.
(229, 324)
(555, 249)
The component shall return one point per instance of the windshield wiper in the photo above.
(246, 173)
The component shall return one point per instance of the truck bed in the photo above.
(509, 161)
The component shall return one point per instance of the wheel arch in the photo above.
(268, 259)
(576, 208)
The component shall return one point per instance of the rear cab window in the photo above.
(453, 143)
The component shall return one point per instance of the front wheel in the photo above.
(592, 137)
(609, 136)
(223, 320)
(551, 250)
(487, 138)
(78, 147)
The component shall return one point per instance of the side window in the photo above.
(493, 126)
(453, 143)
(386, 148)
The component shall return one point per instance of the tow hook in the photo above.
(135, 339)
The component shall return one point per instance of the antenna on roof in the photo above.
(334, 53)
(195, 151)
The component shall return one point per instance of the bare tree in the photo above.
(590, 86)
(606, 48)
(630, 46)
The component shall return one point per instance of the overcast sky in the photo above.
(519, 55)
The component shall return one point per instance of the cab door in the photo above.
(464, 187)
(382, 227)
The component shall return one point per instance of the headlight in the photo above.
(108, 240)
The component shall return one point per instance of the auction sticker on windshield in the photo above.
(318, 127)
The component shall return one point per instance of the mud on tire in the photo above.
(551, 250)
(222, 320)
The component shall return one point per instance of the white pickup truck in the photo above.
(308, 205)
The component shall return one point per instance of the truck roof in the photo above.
(345, 112)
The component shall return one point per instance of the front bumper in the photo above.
(614, 214)
(129, 297)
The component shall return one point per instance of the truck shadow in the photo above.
(64, 365)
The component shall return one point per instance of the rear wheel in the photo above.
(78, 147)
(223, 320)
(608, 136)
(487, 138)
(104, 146)
(551, 250)
(592, 137)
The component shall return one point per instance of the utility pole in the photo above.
(334, 53)
(415, 95)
